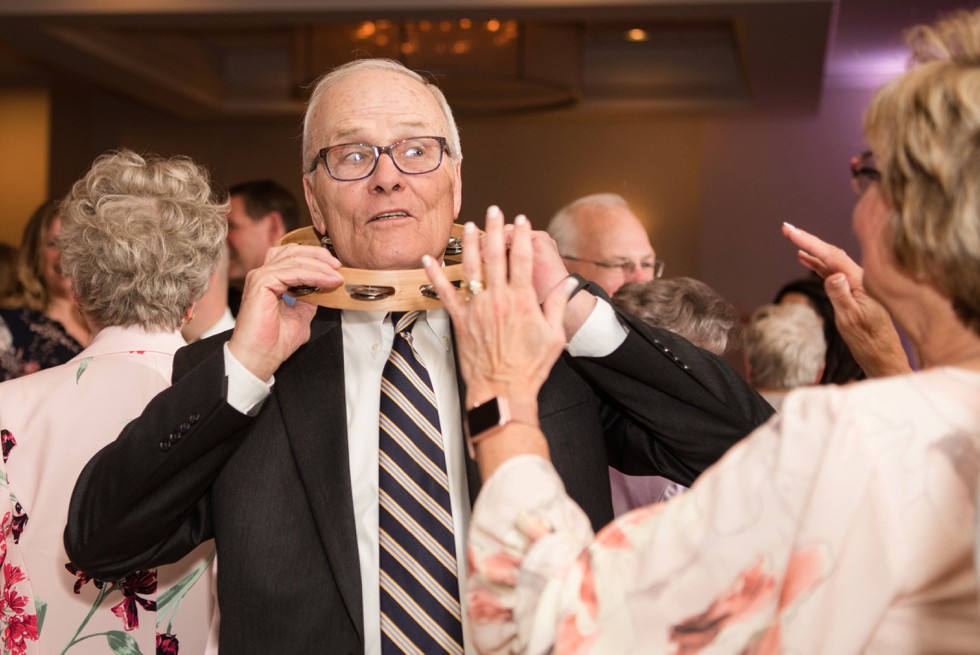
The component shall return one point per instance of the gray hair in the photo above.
(784, 346)
(326, 81)
(686, 306)
(139, 239)
(564, 228)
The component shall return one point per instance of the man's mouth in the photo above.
(386, 215)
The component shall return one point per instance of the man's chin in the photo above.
(391, 261)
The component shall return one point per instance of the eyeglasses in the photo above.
(347, 162)
(863, 172)
(628, 266)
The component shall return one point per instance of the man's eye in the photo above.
(414, 152)
(355, 157)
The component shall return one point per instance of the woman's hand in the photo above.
(863, 322)
(506, 342)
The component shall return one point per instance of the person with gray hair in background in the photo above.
(600, 238)
(139, 239)
(686, 306)
(784, 349)
(693, 310)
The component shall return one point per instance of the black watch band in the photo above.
(582, 283)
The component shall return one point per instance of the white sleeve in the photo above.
(601, 333)
(246, 392)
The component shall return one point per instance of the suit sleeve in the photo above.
(142, 501)
(669, 408)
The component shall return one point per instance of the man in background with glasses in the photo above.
(277, 441)
(602, 240)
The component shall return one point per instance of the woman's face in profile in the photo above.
(870, 219)
(54, 280)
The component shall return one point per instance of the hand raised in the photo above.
(863, 322)
(506, 342)
(269, 329)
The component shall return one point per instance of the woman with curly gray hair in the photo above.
(139, 239)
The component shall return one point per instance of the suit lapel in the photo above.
(315, 416)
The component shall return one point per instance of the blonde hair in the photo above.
(140, 237)
(924, 129)
(29, 288)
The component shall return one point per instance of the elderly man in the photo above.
(602, 240)
(336, 522)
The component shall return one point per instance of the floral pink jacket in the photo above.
(51, 423)
(846, 524)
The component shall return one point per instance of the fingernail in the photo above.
(470, 226)
(789, 225)
(520, 220)
(494, 211)
(426, 260)
(289, 300)
(838, 280)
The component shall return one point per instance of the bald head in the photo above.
(601, 229)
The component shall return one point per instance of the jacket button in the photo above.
(184, 427)
(174, 438)
(164, 446)
(193, 418)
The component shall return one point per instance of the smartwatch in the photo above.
(484, 420)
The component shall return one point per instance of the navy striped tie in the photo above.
(420, 611)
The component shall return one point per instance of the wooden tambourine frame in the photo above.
(364, 290)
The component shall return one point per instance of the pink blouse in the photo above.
(845, 524)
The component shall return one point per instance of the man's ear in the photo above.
(457, 190)
(276, 226)
(318, 221)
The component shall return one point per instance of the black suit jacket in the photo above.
(274, 490)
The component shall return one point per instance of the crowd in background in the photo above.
(146, 254)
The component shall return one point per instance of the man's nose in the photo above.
(386, 175)
(640, 274)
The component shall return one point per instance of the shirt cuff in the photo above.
(600, 335)
(246, 393)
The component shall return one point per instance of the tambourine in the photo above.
(401, 290)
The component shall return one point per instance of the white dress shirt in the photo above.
(368, 338)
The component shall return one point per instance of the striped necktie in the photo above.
(420, 611)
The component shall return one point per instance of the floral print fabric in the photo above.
(846, 524)
(53, 422)
(18, 616)
(30, 341)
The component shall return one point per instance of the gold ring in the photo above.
(473, 286)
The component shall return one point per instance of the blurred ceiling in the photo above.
(226, 59)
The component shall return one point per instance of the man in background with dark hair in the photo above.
(261, 212)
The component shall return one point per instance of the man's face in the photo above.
(388, 220)
(248, 239)
(610, 235)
